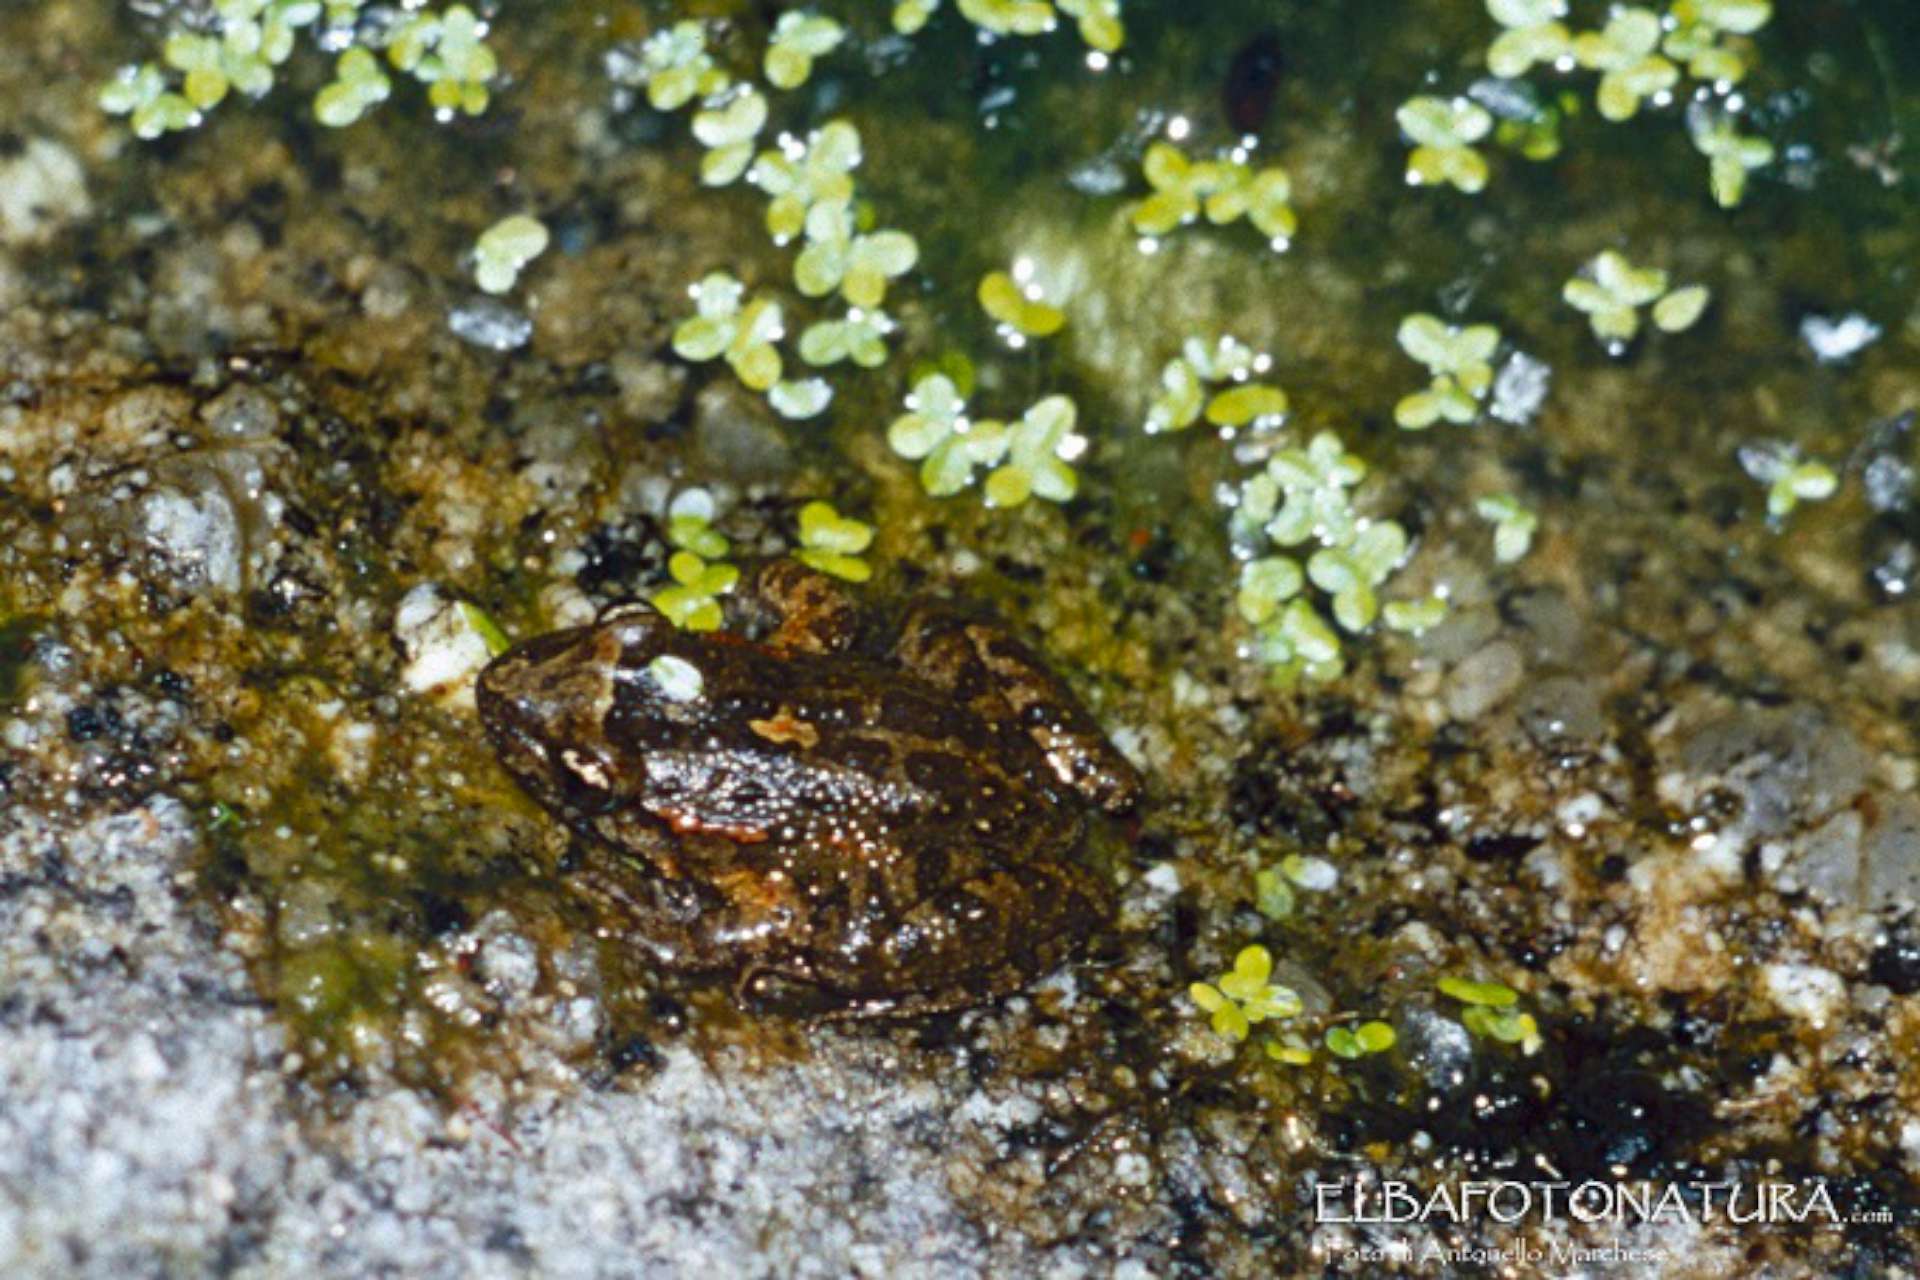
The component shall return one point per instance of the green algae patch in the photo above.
(16, 655)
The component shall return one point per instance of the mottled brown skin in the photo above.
(886, 820)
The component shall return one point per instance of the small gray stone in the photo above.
(738, 437)
(1483, 680)
(495, 326)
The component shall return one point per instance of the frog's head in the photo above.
(546, 702)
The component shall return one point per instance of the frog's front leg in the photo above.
(998, 674)
(678, 923)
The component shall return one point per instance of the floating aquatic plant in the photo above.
(1697, 36)
(1534, 34)
(1030, 457)
(936, 432)
(1040, 447)
(858, 264)
(1612, 291)
(1239, 999)
(1627, 54)
(1009, 17)
(692, 603)
(506, 247)
(833, 543)
(1290, 1050)
(1099, 23)
(1350, 573)
(1730, 154)
(800, 176)
(722, 326)
(726, 126)
(447, 52)
(1460, 361)
(699, 579)
(909, 16)
(859, 336)
(677, 68)
(1790, 478)
(1513, 525)
(1304, 494)
(690, 525)
(1490, 1012)
(1537, 136)
(141, 93)
(800, 397)
(357, 86)
(1225, 190)
(1018, 305)
(799, 38)
(1443, 131)
(240, 51)
(1359, 1041)
(238, 46)
(1475, 992)
(1184, 381)
(1414, 617)
(1272, 893)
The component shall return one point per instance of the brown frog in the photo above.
(883, 816)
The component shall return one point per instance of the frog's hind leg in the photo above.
(992, 671)
(795, 608)
(974, 941)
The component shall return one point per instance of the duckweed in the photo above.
(239, 46)
(1534, 34)
(1790, 478)
(1184, 383)
(1040, 447)
(798, 39)
(1226, 190)
(1358, 1042)
(677, 67)
(1626, 53)
(1475, 992)
(859, 336)
(936, 432)
(858, 264)
(505, 248)
(833, 543)
(1612, 291)
(1731, 156)
(721, 326)
(1513, 526)
(1238, 1000)
(692, 603)
(727, 126)
(358, 85)
(1461, 364)
(800, 176)
(1443, 131)
(1699, 31)
(1018, 305)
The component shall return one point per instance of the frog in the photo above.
(856, 811)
